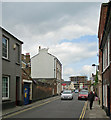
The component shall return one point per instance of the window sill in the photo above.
(6, 59)
(5, 99)
(105, 69)
(17, 63)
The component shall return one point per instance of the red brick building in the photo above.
(104, 36)
(102, 20)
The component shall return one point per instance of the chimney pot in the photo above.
(39, 47)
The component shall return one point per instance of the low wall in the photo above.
(42, 90)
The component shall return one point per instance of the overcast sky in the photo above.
(68, 29)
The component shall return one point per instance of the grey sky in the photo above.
(49, 23)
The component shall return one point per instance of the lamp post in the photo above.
(95, 66)
(96, 79)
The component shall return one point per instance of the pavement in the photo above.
(9, 111)
(96, 112)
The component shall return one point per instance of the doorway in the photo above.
(17, 90)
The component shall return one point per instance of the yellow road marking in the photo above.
(29, 108)
(83, 111)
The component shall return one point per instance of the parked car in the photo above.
(76, 91)
(67, 94)
(83, 95)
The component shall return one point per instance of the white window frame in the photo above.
(106, 53)
(5, 98)
(7, 48)
(108, 49)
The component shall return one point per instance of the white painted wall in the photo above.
(42, 65)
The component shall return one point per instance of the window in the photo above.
(5, 87)
(5, 47)
(106, 53)
(18, 53)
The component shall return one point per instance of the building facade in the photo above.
(11, 70)
(102, 20)
(79, 81)
(66, 85)
(105, 47)
(46, 67)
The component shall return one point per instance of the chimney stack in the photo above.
(39, 47)
(27, 57)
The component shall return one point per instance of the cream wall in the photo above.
(42, 65)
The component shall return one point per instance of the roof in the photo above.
(11, 35)
(105, 27)
(50, 55)
(102, 6)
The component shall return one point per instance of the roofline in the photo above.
(11, 34)
(55, 58)
(48, 54)
(107, 16)
(34, 55)
(103, 5)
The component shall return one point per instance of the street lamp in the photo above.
(96, 66)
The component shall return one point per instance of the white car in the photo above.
(76, 91)
(67, 94)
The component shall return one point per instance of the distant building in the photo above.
(105, 55)
(46, 67)
(79, 81)
(66, 85)
(26, 79)
(11, 70)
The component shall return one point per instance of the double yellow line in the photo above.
(83, 111)
(8, 116)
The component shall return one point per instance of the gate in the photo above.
(26, 94)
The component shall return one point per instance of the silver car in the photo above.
(67, 94)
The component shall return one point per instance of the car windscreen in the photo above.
(66, 92)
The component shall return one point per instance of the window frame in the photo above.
(108, 49)
(7, 47)
(5, 98)
(18, 53)
(106, 53)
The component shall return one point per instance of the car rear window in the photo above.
(85, 93)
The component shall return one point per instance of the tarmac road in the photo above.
(56, 108)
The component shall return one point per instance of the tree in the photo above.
(96, 78)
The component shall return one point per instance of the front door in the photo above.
(26, 93)
(108, 100)
(17, 90)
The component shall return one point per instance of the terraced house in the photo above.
(11, 70)
(105, 55)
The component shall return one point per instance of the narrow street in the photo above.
(54, 109)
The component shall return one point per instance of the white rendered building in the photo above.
(46, 66)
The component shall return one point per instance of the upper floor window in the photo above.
(5, 47)
(18, 52)
(106, 53)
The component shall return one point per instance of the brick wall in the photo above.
(41, 91)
